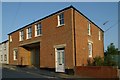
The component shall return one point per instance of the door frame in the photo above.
(56, 47)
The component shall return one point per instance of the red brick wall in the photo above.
(82, 37)
(96, 72)
(51, 36)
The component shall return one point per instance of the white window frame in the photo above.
(10, 38)
(15, 53)
(21, 35)
(28, 33)
(38, 29)
(99, 34)
(90, 49)
(89, 29)
(60, 19)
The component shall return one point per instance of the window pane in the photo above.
(90, 49)
(62, 57)
(15, 52)
(62, 21)
(29, 32)
(58, 57)
(21, 35)
(61, 16)
(38, 29)
(38, 32)
(38, 26)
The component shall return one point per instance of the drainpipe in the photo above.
(74, 36)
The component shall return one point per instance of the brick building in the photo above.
(4, 52)
(62, 40)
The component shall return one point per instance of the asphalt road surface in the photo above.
(12, 73)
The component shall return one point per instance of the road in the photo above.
(25, 72)
(12, 73)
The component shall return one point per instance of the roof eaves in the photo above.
(42, 18)
(4, 41)
(56, 13)
(87, 18)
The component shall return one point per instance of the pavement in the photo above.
(32, 71)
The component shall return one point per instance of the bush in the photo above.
(97, 61)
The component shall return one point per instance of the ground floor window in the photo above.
(15, 54)
(90, 49)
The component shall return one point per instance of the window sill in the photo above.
(90, 56)
(61, 25)
(28, 38)
(38, 35)
(89, 34)
(21, 41)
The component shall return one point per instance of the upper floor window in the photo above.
(38, 29)
(90, 49)
(15, 53)
(10, 38)
(29, 32)
(99, 35)
(21, 35)
(89, 29)
(60, 19)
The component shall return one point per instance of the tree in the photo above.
(108, 58)
(111, 50)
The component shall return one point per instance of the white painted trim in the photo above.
(59, 46)
(90, 44)
(99, 35)
(20, 38)
(89, 41)
(89, 29)
(55, 58)
(10, 38)
(56, 61)
(14, 55)
(35, 30)
(58, 18)
(27, 33)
